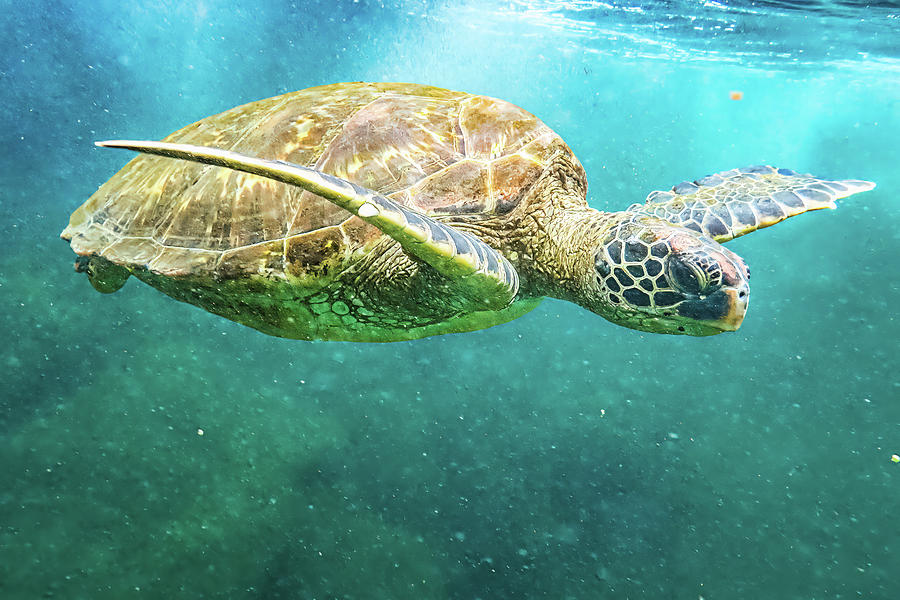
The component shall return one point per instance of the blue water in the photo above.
(151, 450)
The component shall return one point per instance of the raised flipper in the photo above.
(478, 272)
(732, 203)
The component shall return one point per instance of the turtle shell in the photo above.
(437, 151)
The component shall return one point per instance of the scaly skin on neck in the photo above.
(559, 258)
(553, 241)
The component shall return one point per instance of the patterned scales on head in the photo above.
(213, 236)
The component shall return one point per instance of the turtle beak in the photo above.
(721, 311)
(736, 277)
(738, 300)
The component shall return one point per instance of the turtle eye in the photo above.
(694, 274)
(685, 276)
(602, 267)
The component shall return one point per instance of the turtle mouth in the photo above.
(722, 311)
(740, 300)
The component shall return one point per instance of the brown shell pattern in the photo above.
(437, 151)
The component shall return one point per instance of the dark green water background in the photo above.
(558, 456)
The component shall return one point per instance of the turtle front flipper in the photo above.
(476, 271)
(732, 203)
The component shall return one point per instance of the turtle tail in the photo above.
(106, 277)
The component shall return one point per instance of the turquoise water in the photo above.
(151, 450)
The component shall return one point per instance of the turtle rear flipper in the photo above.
(733, 203)
(478, 273)
(106, 277)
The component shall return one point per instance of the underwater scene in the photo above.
(152, 449)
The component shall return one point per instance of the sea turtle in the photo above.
(391, 211)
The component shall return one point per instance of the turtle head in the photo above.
(654, 276)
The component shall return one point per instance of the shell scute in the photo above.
(313, 254)
(314, 213)
(463, 187)
(177, 261)
(92, 239)
(135, 250)
(265, 257)
(393, 142)
(492, 128)
(512, 176)
(362, 234)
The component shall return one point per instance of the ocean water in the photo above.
(151, 450)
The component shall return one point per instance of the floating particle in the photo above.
(736, 95)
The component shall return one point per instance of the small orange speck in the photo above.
(736, 95)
